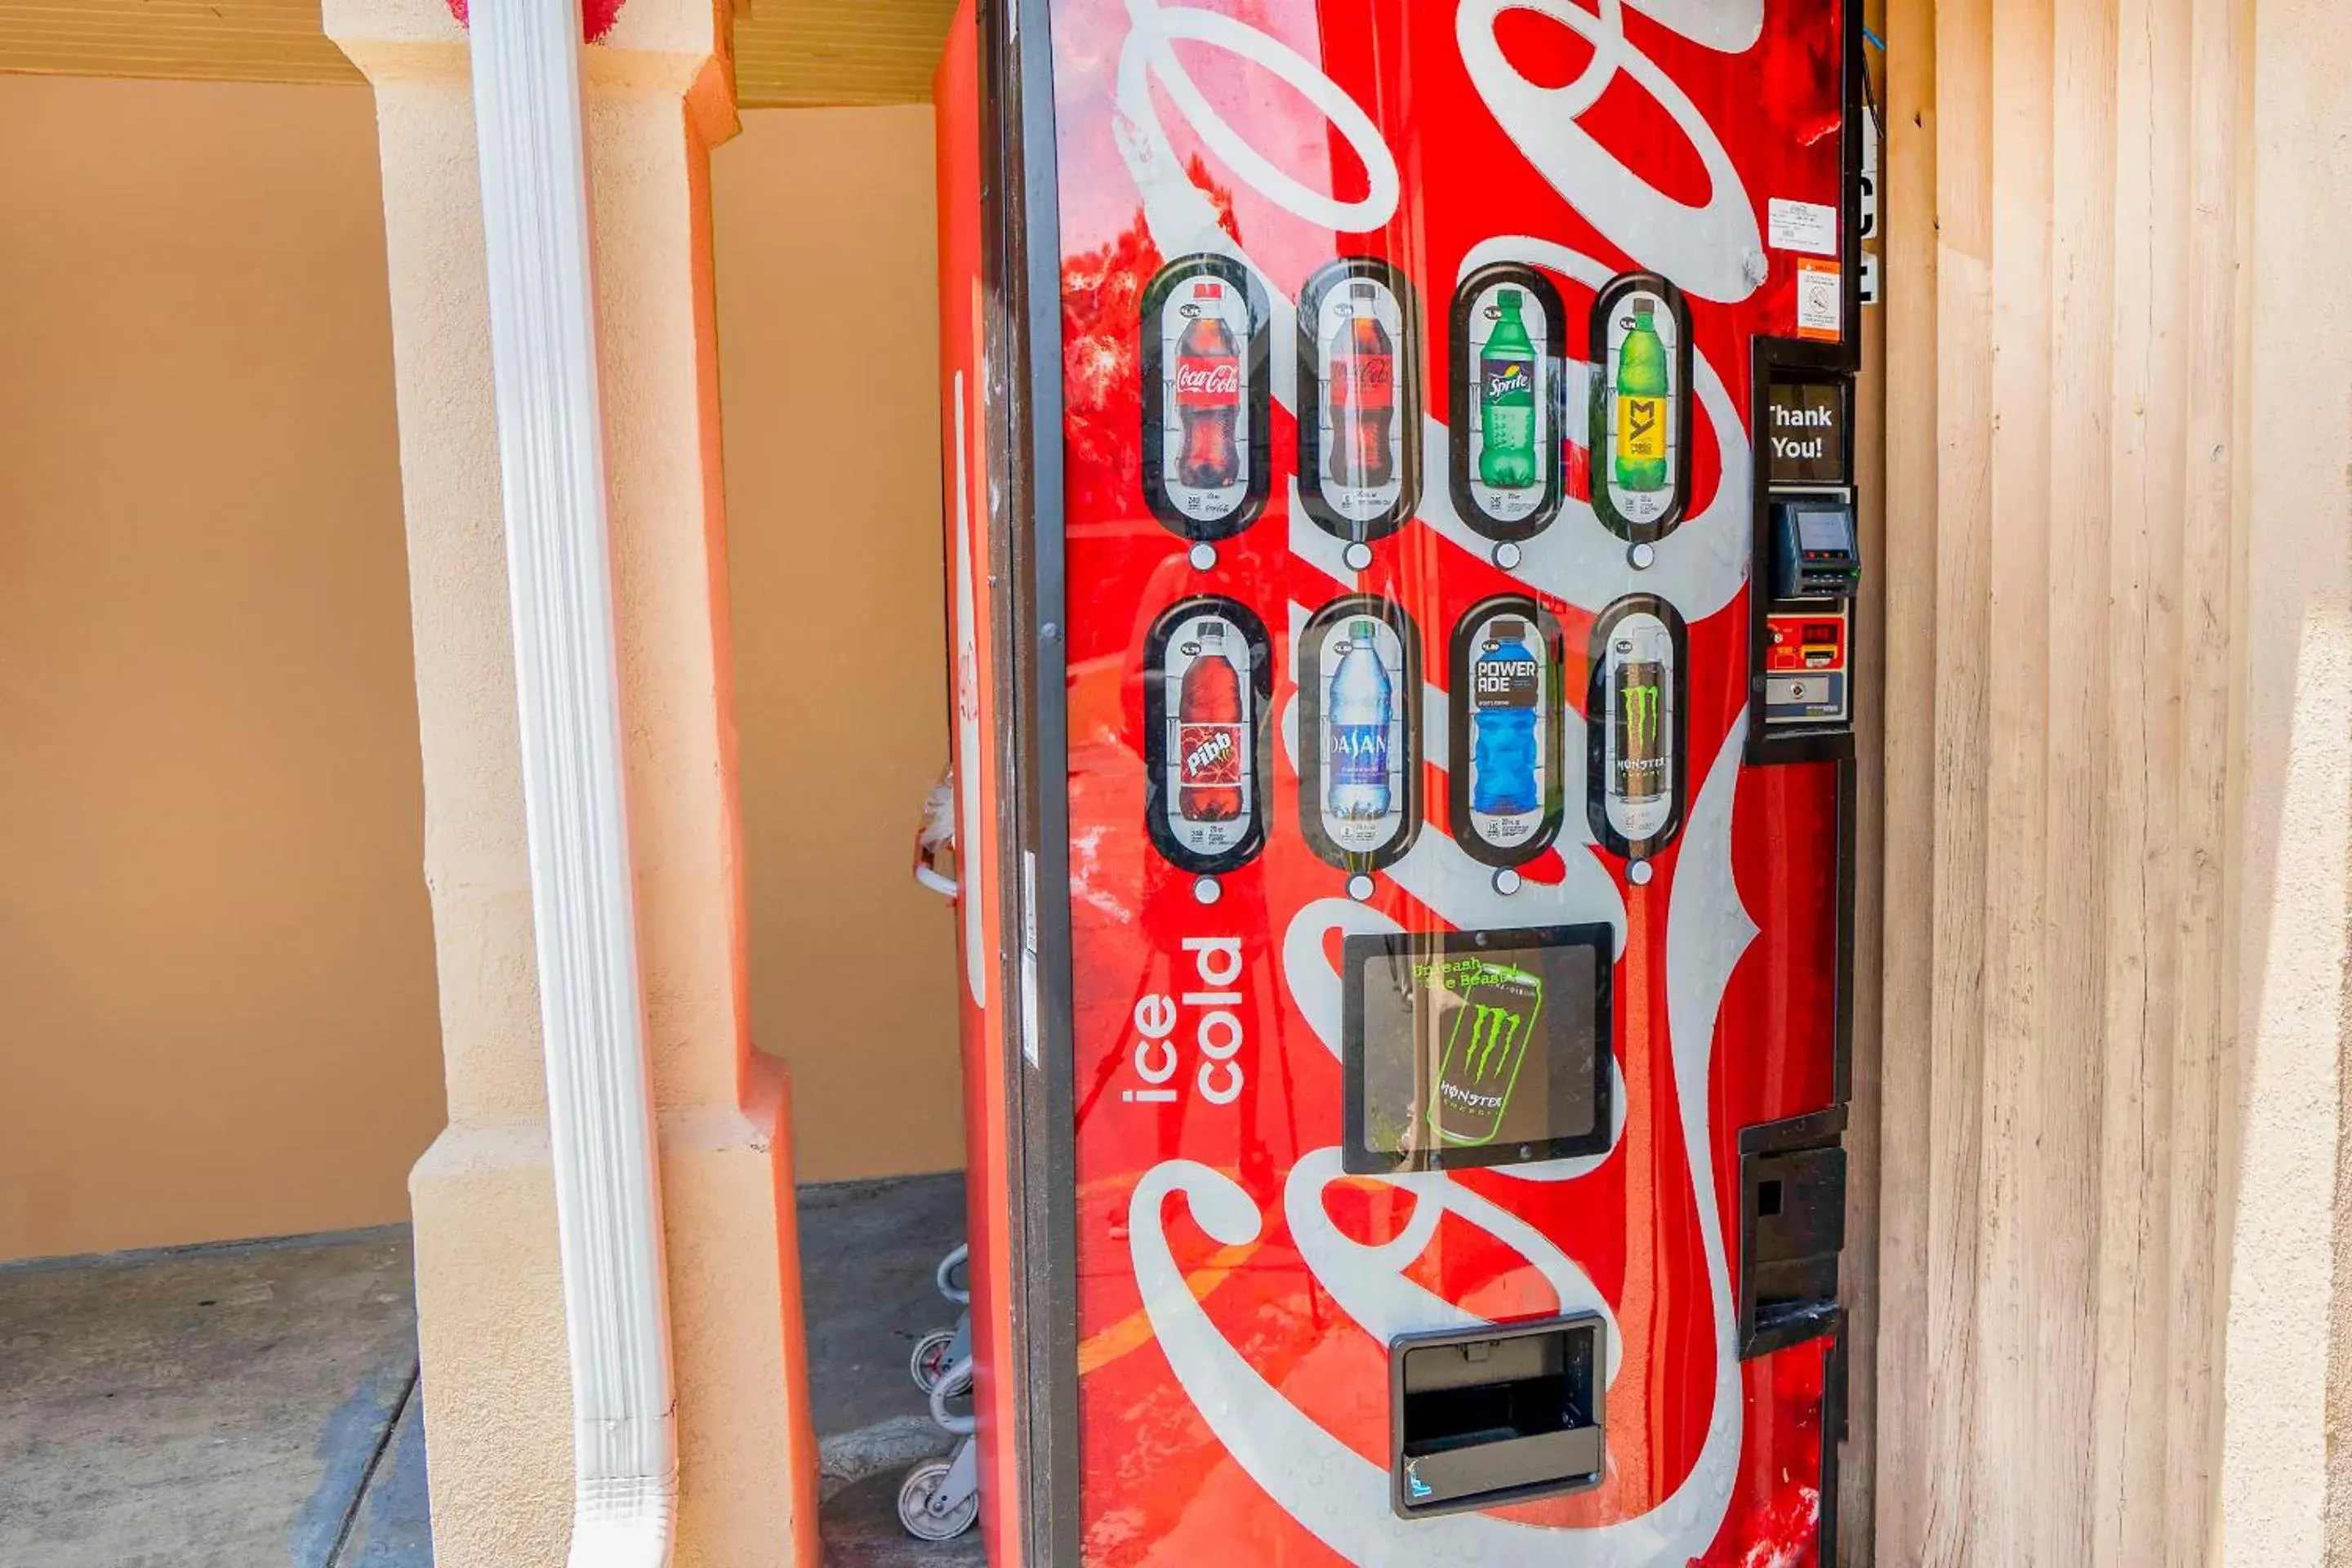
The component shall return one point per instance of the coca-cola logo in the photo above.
(1208, 380)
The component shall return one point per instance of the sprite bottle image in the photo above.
(1494, 1018)
(1506, 400)
(1639, 461)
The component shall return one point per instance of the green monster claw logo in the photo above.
(1484, 1051)
(1640, 705)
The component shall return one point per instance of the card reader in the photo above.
(1815, 551)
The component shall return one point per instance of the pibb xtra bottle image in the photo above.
(1359, 709)
(1507, 401)
(1208, 395)
(1640, 460)
(1210, 745)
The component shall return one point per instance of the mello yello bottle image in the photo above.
(1361, 695)
(1506, 400)
(1209, 745)
(1506, 686)
(1641, 395)
(1494, 1011)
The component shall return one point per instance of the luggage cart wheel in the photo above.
(927, 1507)
(934, 1353)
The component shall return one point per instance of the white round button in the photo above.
(1639, 873)
(1358, 556)
(1359, 888)
(1207, 891)
(1204, 557)
(1642, 556)
(1507, 882)
(1506, 556)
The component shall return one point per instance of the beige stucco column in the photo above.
(2119, 577)
(497, 1403)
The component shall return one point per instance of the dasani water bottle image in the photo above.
(1362, 693)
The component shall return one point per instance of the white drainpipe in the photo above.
(530, 117)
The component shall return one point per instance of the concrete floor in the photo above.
(255, 1404)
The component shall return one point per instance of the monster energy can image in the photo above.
(1637, 702)
(1633, 772)
(1492, 1015)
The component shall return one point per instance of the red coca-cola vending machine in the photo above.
(1403, 564)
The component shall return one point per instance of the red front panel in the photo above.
(1409, 507)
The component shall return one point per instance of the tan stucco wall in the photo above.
(828, 365)
(217, 1001)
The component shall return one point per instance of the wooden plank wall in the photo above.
(2062, 387)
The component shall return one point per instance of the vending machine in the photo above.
(1403, 569)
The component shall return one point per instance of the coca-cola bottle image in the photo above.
(1210, 745)
(1363, 395)
(1208, 395)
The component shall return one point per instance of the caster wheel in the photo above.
(915, 1497)
(930, 1360)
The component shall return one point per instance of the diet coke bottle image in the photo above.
(1210, 743)
(1206, 471)
(1209, 394)
(1358, 399)
(1362, 382)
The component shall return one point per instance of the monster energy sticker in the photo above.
(1508, 467)
(1493, 1016)
(1206, 680)
(1633, 776)
(1640, 405)
(1359, 757)
(1464, 1048)
(1359, 410)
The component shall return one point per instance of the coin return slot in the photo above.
(1496, 1414)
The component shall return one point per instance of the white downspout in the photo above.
(529, 118)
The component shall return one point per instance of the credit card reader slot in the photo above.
(1494, 1415)
(1816, 551)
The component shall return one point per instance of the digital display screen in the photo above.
(1825, 528)
(1469, 1048)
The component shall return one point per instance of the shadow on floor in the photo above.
(255, 1404)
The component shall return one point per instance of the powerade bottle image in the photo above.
(1640, 459)
(1506, 685)
(1485, 1045)
(1506, 400)
(1358, 728)
(1210, 742)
